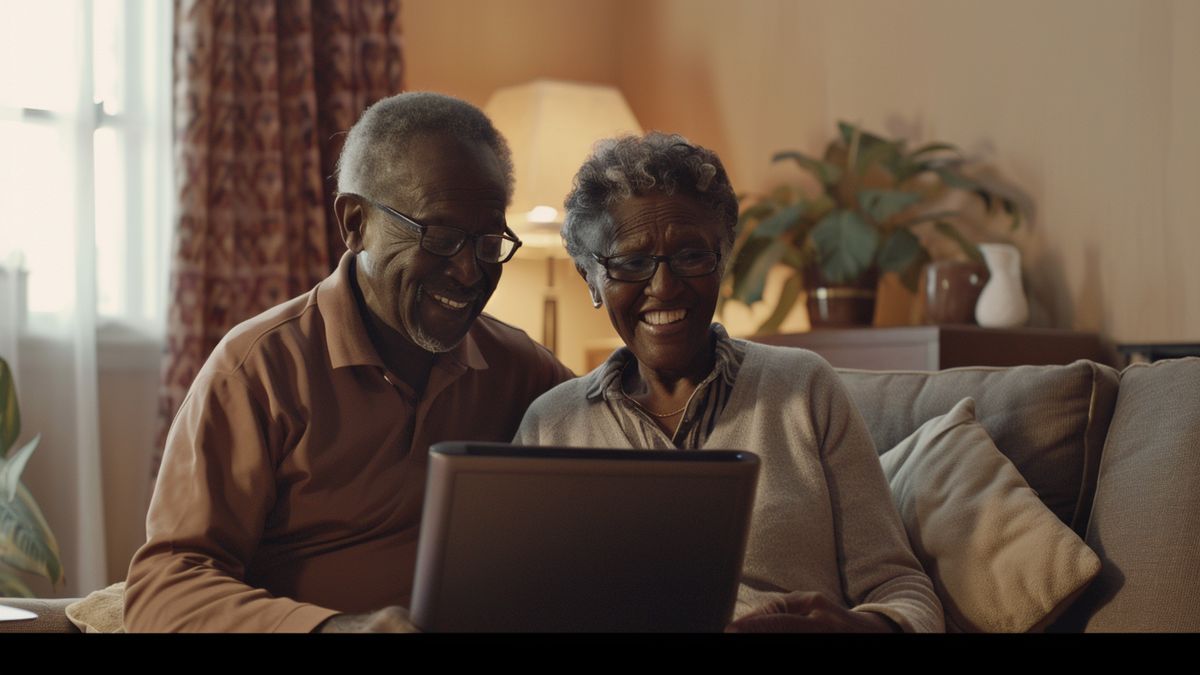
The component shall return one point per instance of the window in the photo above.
(85, 180)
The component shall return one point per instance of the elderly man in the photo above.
(291, 489)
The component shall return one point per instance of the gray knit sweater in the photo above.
(823, 517)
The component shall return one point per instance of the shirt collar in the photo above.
(346, 333)
(605, 382)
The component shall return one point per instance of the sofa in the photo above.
(1113, 455)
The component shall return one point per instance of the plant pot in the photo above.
(840, 306)
(952, 288)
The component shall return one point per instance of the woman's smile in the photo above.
(663, 318)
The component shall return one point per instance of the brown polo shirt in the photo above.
(294, 473)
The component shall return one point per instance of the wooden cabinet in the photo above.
(939, 347)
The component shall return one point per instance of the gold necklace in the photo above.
(651, 412)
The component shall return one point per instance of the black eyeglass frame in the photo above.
(508, 235)
(658, 260)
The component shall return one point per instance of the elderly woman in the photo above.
(650, 223)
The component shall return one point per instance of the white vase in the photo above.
(1002, 303)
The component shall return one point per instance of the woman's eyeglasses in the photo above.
(641, 266)
(446, 241)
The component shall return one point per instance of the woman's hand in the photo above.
(810, 612)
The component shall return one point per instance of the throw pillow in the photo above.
(1000, 560)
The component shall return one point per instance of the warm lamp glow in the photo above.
(551, 127)
(542, 215)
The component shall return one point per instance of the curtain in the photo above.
(264, 93)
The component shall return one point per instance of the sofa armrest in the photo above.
(51, 615)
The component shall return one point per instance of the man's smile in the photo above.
(453, 301)
(662, 317)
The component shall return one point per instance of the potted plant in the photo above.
(26, 542)
(837, 241)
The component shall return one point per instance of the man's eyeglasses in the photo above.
(642, 266)
(446, 241)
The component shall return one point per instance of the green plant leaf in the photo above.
(757, 212)
(828, 174)
(11, 468)
(779, 222)
(932, 147)
(956, 180)
(794, 258)
(968, 247)
(743, 256)
(898, 252)
(1010, 207)
(909, 167)
(883, 204)
(887, 155)
(926, 217)
(11, 587)
(26, 541)
(845, 244)
(911, 276)
(866, 139)
(754, 266)
(985, 197)
(787, 300)
(10, 412)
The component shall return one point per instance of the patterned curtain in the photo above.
(264, 93)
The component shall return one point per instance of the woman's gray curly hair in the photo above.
(633, 166)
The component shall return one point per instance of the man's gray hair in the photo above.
(632, 166)
(384, 131)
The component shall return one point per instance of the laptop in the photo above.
(525, 539)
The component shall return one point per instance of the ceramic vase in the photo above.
(952, 288)
(1002, 303)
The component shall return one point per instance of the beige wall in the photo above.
(470, 48)
(1089, 106)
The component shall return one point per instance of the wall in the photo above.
(470, 48)
(1088, 106)
(1082, 104)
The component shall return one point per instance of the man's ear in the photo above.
(592, 290)
(351, 217)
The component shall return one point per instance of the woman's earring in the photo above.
(595, 303)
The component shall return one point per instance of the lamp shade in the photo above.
(551, 127)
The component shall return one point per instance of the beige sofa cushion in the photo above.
(1050, 421)
(1000, 561)
(1146, 521)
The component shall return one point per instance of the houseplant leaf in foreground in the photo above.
(26, 541)
(11, 468)
(11, 587)
(10, 412)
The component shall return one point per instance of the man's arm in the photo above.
(214, 492)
